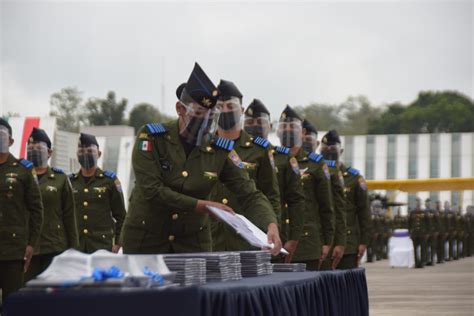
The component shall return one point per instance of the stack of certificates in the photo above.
(255, 263)
(289, 267)
(189, 271)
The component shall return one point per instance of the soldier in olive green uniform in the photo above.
(21, 214)
(442, 233)
(59, 229)
(459, 235)
(466, 229)
(257, 159)
(451, 229)
(419, 234)
(388, 227)
(319, 218)
(432, 222)
(176, 166)
(100, 208)
(378, 220)
(257, 124)
(470, 215)
(400, 221)
(372, 233)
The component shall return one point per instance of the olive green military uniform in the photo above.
(162, 216)
(459, 236)
(418, 233)
(357, 214)
(466, 228)
(59, 227)
(339, 204)
(400, 222)
(471, 234)
(319, 216)
(291, 194)
(100, 210)
(442, 237)
(433, 229)
(377, 237)
(21, 218)
(451, 229)
(388, 228)
(258, 161)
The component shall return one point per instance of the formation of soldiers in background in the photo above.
(215, 154)
(440, 233)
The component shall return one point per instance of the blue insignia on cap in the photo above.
(330, 163)
(26, 163)
(110, 174)
(261, 142)
(155, 128)
(282, 150)
(224, 143)
(353, 171)
(315, 157)
(57, 170)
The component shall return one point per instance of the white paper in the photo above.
(245, 228)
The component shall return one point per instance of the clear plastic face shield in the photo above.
(199, 123)
(258, 126)
(331, 152)
(230, 113)
(310, 142)
(289, 132)
(4, 139)
(88, 156)
(37, 153)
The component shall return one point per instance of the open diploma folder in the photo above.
(245, 228)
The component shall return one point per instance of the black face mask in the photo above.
(330, 155)
(87, 161)
(308, 147)
(39, 158)
(255, 130)
(288, 139)
(228, 120)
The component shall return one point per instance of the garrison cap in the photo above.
(200, 89)
(228, 89)
(256, 108)
(87, 140)
(39, 135)
(331, 138)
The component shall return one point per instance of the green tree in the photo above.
(66, 107)
(106, 111)
(144, 113)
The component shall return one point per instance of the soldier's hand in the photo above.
(27, 257)
(360, 252)
(324, 252)
(290, 246)
(337, 254)
(201, 206)
(116, 248)
(274, 238)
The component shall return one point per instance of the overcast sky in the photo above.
(293, 53)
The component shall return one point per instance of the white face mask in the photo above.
(4, 140)
(37, 153)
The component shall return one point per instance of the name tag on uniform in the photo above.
(100, 189)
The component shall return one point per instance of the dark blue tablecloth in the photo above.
(305, 293)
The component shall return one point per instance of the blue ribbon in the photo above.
(154, 276)
(102, 274)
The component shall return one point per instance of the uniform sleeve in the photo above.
(34, 205)
(326, 209)
(267, 183)
(149, 179)
(339, 201)
(254, 203)
(69, 214)
(294, 197)
(117, 205)
(410, 222)
(363, 213)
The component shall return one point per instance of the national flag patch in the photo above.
(234, 157)
(294, 165)
(145, 145)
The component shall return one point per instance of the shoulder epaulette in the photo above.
(262, 142)
(57, 170)
(315, 157)
(155, 128)
(224, 143)
(282, 150)
(353, 171)
(330, 163)
(110, 174)
(26, 163)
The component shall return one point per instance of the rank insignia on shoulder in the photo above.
(26, 163)
(353, 171)
(110, 174)
(262, 142)
(224, 143)
(330, 163)
(294, 165)
(57, 170)
(315, 157)
(235, 158)
(155, 128)
(146, 145)
(282, 150)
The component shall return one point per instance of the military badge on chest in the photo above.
(165, 165)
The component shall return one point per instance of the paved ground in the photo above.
(446, 289)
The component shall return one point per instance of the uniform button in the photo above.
(349, 232)
(208, 148)
(100, 196)
(306, 233)
(85, 231)
(103, 236)
(286, 204)
(170, 237)
(143, 222)
(85, 217)
(287, 221)
(13, 235)
(184, 174)
(86, 190)
(247, 143)
(225, 201)
(59, 226)
(175, 216)
(85, 203)
(10, 187)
